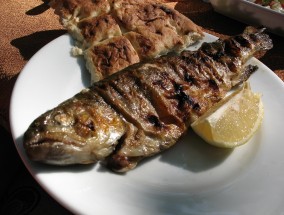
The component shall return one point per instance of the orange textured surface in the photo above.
(25, 28)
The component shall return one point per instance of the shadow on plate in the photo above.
(190, 153)
(85, 74)
(194, 154)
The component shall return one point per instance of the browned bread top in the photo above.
(109, 57)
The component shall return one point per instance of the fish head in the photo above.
(81, 130)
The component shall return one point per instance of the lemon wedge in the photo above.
(232, 121)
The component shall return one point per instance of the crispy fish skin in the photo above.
(145, 109)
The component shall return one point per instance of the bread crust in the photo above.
(94, 30)
(76, 10)
(110, 56)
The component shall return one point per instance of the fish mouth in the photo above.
(49, 148)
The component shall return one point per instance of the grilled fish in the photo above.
(142, 110)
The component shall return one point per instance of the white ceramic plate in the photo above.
(191, 178)
(251, 13)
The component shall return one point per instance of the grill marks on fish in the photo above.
(172, 100)
(128, 99)
(183, 88)
(144, 110)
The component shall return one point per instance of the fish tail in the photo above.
(262, 40)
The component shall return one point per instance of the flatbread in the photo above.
(146, 29)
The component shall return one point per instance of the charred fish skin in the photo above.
(144, 110)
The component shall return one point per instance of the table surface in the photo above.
(27, 27)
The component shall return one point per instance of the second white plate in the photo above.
(251, 13)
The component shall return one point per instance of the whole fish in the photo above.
(142, 110)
